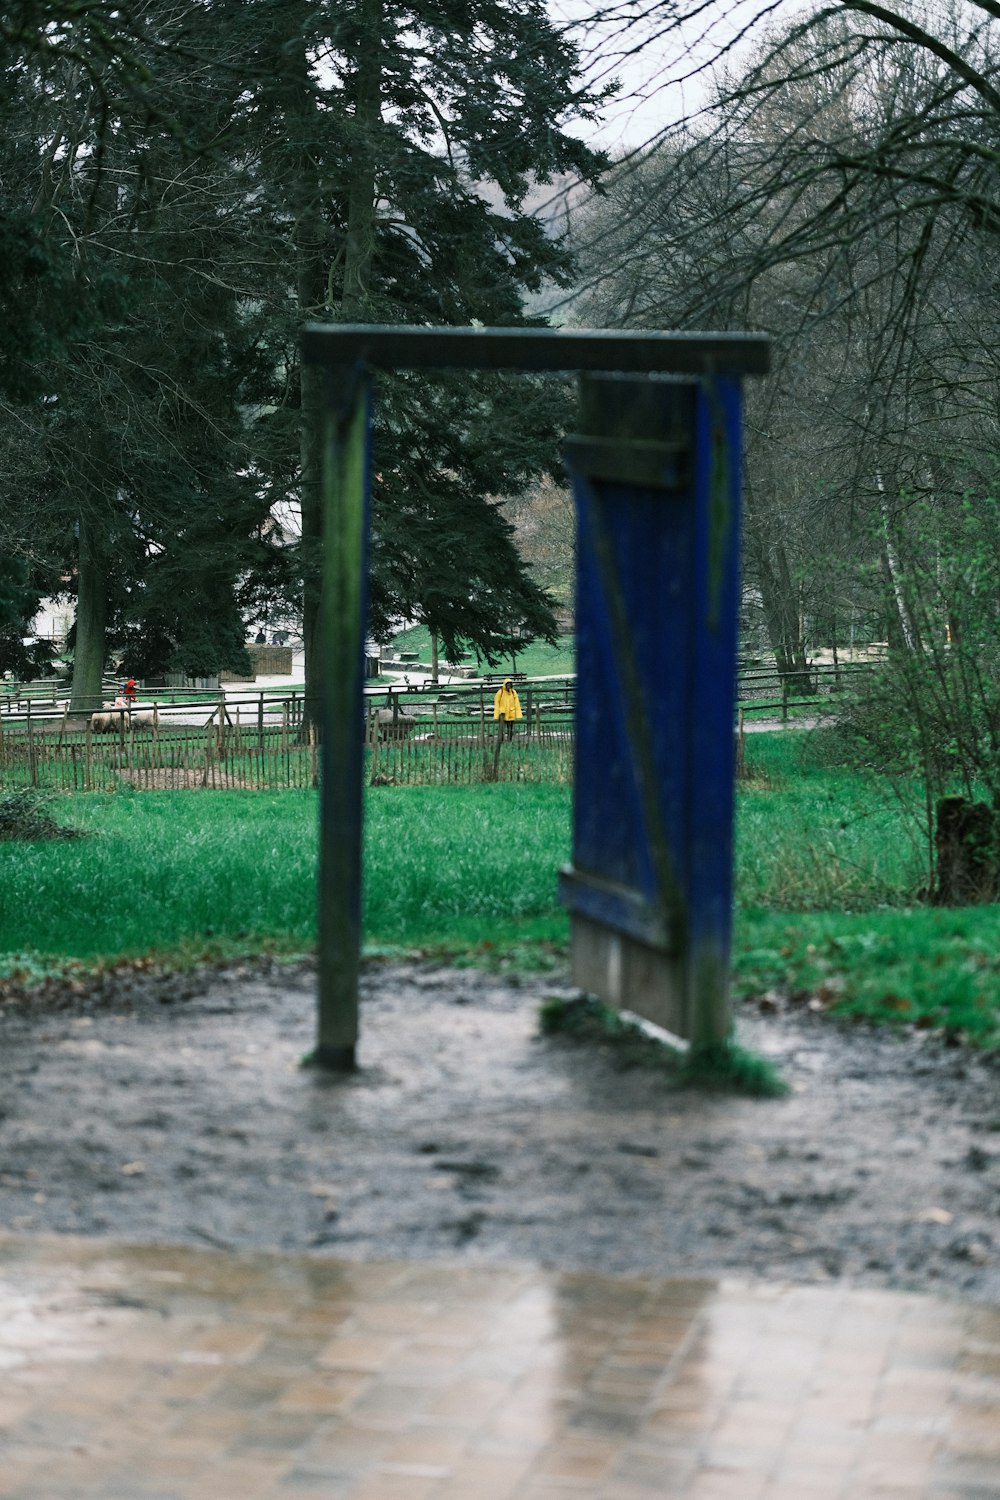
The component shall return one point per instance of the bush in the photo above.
(23, 816)
(931, 711)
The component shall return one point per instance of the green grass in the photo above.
(537, 660)
(190, 874)
(465, 866)
(828, 861)
(814, 835)
(916, 966)
(830, 870)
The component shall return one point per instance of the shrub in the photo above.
(23, 816)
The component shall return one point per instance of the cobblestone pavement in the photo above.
(164, 1373)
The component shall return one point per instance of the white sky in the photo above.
(663, 64)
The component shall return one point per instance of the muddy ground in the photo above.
(175, 1108)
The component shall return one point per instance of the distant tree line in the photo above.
(839, 189)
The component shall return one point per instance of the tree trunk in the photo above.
(967, 852)
(91, 620)
(901, 624)
(780, 601)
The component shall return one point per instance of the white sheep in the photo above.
(108, 722)
(146, 718)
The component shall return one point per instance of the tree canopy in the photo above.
(184, 185)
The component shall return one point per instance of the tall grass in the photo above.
(459, 865)
(828, 870)
(815, 835)
(179, 871)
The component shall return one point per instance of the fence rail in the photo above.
(414, 733)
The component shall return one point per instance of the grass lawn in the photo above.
(189, 874)
(537, 660)
(829, 866)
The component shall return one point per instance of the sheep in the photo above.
(114, 719)
(108, 722)
(390, 728)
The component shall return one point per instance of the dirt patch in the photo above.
(175, 1108)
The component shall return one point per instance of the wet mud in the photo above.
(175, 1108)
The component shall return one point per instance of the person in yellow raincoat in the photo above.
(507, 705)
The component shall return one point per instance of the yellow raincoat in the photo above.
(506, 703)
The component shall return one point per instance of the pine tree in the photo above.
(140, 474)
(204, 179)
(398, 145)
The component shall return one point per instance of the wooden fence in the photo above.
(265, 747)
(238, 752)
(418, 734)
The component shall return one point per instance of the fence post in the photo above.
(784, 700)
(208, 751)
(32, 766)
(260, 723)
(373, 735)
(343, 610)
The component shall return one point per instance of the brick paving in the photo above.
(158, 1373)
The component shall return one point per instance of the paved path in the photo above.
(154, 1373)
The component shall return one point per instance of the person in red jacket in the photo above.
(130, 691)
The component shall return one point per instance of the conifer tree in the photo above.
(202, 178)
(400, 143)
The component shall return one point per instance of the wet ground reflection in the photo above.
(151, 1373)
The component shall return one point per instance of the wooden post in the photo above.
(260, 722)
(343, 609)
(208, 748)
(373, 734)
